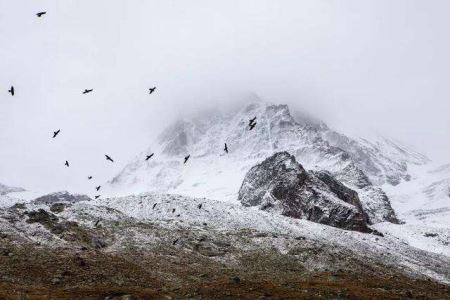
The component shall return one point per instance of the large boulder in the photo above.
(281, 184)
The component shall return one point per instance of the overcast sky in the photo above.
(361, 65)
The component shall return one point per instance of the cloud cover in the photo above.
(358, 64)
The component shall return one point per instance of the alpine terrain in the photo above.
(260, 202)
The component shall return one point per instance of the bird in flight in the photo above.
(89, 177)
(87, 91)
(175, 242)
(55, 133)
(252, 126)
(226, 148)
(186, 158)
(98, 187)
(109, 158)
(67, 163)
(200, 206)
(96, 197)
(149, 156)
(40, 14)
(154, 205)
(151, 90)
(251, 121)
(11, 90)
(96, 223)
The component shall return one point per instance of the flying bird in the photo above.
(186, 158)
(96, 197)
(55, 133)
(175, 242)
(96, 223)
(200, 206)
(154, 205)
(40, 14)
(109, 158)
(226, 148)
(89, 177)
(250, 122)
(11, 90)
(149, 156)
(67, 163)
(151, 90)
(173, 210)
(87, 91)
(252, 126)
(98, 187)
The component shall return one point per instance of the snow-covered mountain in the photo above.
(4, 189)
(360, 164)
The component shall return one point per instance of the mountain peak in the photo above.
(213, 173)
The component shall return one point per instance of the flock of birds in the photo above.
(252, 124)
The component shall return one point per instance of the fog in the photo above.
(359, 65)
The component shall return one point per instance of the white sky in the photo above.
(380, 65)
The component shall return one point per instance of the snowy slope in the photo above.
(4, 189)
(423, 204)
(213, 174)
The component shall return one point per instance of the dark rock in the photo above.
(98, 242)
(64, 197)
(19, 206)
(119, 296)
(57, 207)
(43, 217)
(429, 234)
(281, 184)
(236, 279)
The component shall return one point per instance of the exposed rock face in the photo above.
(280, 183)
(59, 197)
(365, 166)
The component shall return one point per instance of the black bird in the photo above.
(67, 163)
(98, 187)
(252, 126)
(40, 14)
(154, 205)
(55, 133)
(109, 158)
(173, 210)
(200, 206)
(186, 158)
(149, 156)
(250, 122)
(96, 223)
(175, 242)
(89, 177)
(226, 148)
(150, 91)
(11, 90)
(87, 91)
(96, 197)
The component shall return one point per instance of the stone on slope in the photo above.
(60, 197)
(281, 184)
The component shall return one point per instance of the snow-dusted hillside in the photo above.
(221, 230)
(362, 165)
(4, 189)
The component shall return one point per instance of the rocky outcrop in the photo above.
(59, 197)
(281, 184)
(362, 165)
